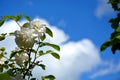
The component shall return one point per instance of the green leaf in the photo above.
(11, 34)
(54, 46)
(33, 51)
(49, 51)
(55, 55)
(43, 37)
(2, 36)
(42, 66)
(33, 79)
(13, 54)
(18, 17)
(2, 49)
(27, 18)
(25, 25)
(49, 32)
(105, 45)
(118, 29)
(41, 53)
(5, 76)
(50, 77)
(8, 17)
(1, 22)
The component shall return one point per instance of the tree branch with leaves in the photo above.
(29, 39)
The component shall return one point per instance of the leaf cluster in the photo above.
(114, 41)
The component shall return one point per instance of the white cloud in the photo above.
(110, 69)
(76, 57)
(103, 8)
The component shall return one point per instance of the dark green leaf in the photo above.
(49, 32)
(42, 66)
(27, 18)
(54, 46)
(25, 25)
(33, 79)
(105, 45)
(51, 77)
(13, 54)
(43, 37)
(11, 34)
(55, 55)
(114, 48)
(41, 53)
(2, 36)
(1, 22)
(33, 51)
(51, 45)
(18, 17)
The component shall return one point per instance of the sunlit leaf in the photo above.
(55, 55)
(49, 32)
(8, 17)
(56, 47)
(2, 49)
(41, 53)
(43, 37)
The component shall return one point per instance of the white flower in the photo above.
(2, 60)
(38, 26)
(20, 58)
(24, 38)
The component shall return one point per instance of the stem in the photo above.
(29, 65)
(18, 24)
(35, 57)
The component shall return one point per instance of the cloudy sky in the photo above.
(79, 27)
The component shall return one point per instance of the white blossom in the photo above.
(20, 58)
(24, 38)
(38, 26)
(2, 60)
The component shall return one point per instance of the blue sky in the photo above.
(79, 19)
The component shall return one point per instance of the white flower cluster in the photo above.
(26, 36)
(21, 58)
(2, 58)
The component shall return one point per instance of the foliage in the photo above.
(30, 39)
(114, 40)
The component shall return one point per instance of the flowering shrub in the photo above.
(23, 59)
